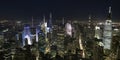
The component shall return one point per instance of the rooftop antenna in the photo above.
(63, 20)
(50, 20)
(43, 18)
(32, 22)
(50, 15)
(109, 9)
(109, 13)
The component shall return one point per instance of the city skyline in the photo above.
(59, 30)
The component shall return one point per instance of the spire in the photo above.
(43, 18)
(109, 9)
(50, 20)
(50, 15)
(63, 20)
(32, 21)
(109, 14)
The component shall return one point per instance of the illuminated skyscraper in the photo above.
(26, 35)
(98, 32)
(45, 29)
(68, 29)
(37, 32)
(90, 28)
(107, 33)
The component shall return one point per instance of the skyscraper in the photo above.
(37, 32)
(107, 33)
(98, 32)
(26, 35)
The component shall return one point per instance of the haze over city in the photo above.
(70, 9)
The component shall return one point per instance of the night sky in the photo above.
(70, 9)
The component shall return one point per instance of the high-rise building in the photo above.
(98, 32)
(37, 33)
(68, 29)
(90, 28)
(49, 28)
(107, 33)
(26, 35)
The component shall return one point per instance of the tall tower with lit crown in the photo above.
(107, 34)
(26, 36)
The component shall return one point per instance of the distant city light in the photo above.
(100, 23)
(48, 29)
(97, 27)
(116, 29)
